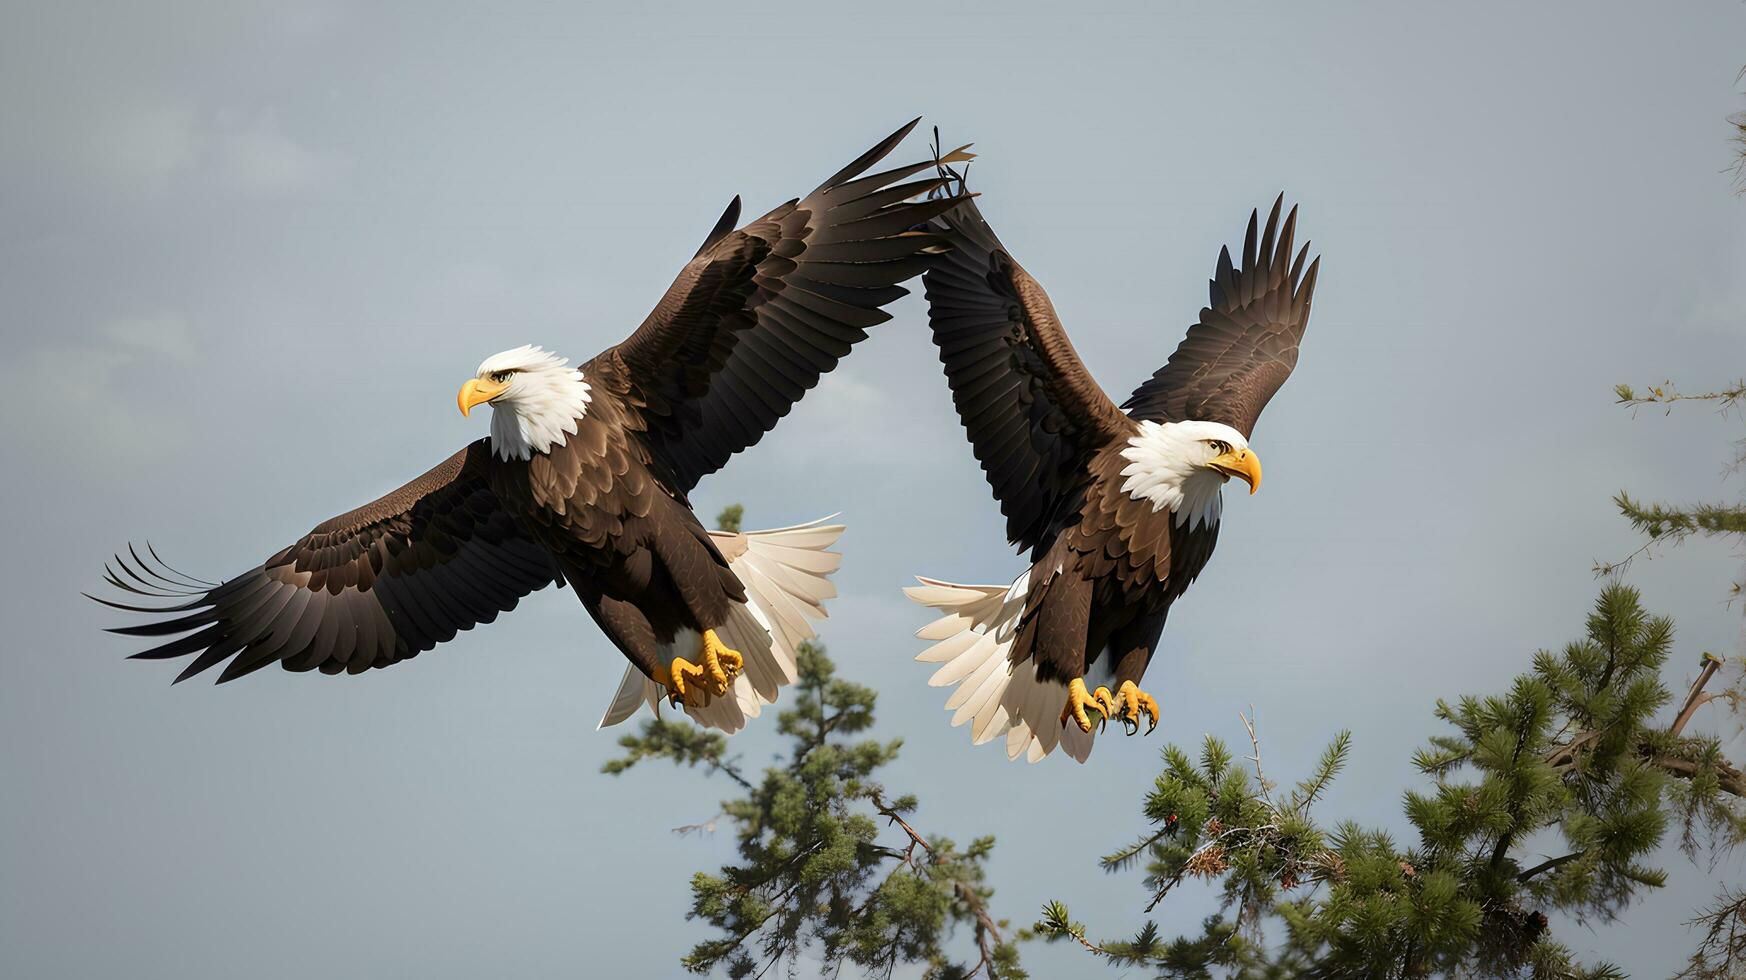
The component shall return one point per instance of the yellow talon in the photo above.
(1106, 703)
(1078, 699)
(1137, 702)
(682, 673)
(723, 663)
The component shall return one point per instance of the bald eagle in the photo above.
(1118, 507)
(584, 480)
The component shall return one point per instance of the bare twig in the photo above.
(1255, 743)
(1722, 953)
(700, 829)
(1605, 568)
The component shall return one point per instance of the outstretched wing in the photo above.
(366, 589)
(1033, 413)
(753, 321)
(1246, 342)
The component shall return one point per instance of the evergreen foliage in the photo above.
(1571, 757)
(1668, 524)
(1737, 129)
(830, 869)
(729, 518)
(1574, 758)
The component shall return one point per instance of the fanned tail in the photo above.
(786, 572)
(972, 643)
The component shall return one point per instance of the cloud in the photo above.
(1715, 306)
(147, 146)
(166, 334)
(846, 402)
(142, 148)
(259, 158)
(84, 388)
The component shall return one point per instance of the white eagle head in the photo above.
(536, 400)
(1183, 466)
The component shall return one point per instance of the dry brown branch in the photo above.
(1696, 698)
(1255, 743)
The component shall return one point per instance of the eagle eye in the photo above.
(1220, 446)
(501, 377)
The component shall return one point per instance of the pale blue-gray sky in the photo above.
(247, 253)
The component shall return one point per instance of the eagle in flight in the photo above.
(584, 481)
(1118, 507)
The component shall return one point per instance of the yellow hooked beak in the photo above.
(1239, 463)
(477, 391)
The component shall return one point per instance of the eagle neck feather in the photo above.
(1166, 465)
(542, 409)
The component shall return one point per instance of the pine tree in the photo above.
(1573, 748)
(831, 864)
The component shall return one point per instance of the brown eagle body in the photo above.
(1121, 564)
(619, 527)
(586, 475)
(1118, 507)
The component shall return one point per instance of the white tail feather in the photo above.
(972, 643)
(786, 574)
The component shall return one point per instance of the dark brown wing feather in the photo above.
(385, 582)
(1033, 413)
(1246, 342)
(750, 325)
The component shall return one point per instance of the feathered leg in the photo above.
(1131, 647)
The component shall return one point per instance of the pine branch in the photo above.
(1669, 525)
(988, 938)
(1124, 857)
(1573, 748)
(1144, 949)
(1666, 394)
(1332, 761)
(1666, 524)
(1722, 952)
(1729, 778)
(1551, 864)
(1518, 820)
(1209, 859)
(818, 875)
(680, 742)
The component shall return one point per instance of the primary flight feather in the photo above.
(584, 480)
